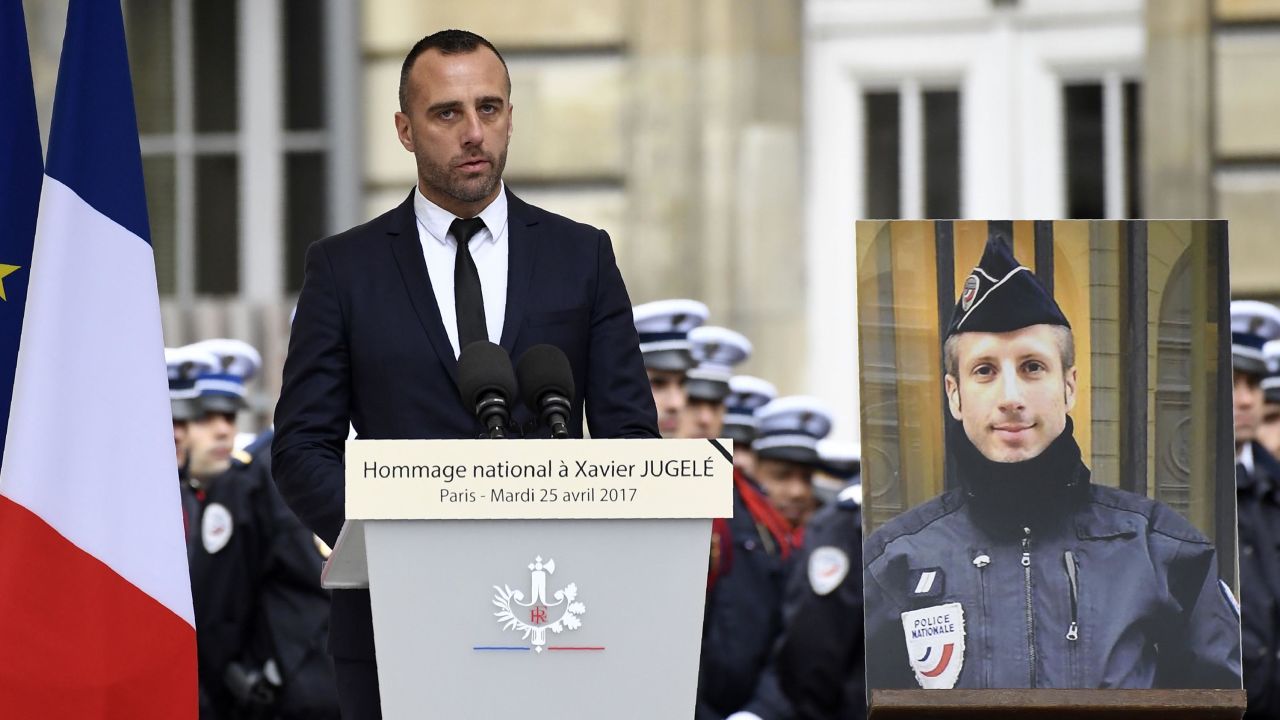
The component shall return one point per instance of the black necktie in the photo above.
(468, 301)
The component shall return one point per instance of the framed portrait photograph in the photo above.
(1048, 455)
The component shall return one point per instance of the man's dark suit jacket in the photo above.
(368, 347)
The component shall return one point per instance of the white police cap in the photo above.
(840, 458)
(1253, 323)
(663, 327)
(747, 394)
(223, 390)
(235, 357)
(185, 365)
(790, 427)
(189, 362)
(1271, 383)
(716, 350)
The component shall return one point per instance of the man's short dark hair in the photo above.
(448, 42)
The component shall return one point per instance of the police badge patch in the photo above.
(935, 644)
(828, 567)
(216, 528)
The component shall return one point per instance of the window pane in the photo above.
(304, 64)
(149, 28)
(157, 174)
(882, 142)
(215, 65)
(305, 218)
(1086, 193)
(942, 154)
(1133, 147)
(217, 224)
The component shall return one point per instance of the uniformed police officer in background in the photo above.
(1028, 575)
(817, 668)
(663, 327)
(751, 553)
(786, 455)
(261, 615)
(716, 350)
(747, 394)
(1269, 426)
(1257, 508)
(745, 600)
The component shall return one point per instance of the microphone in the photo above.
(547, 382)
(487, 384)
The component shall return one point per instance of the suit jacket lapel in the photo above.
(407, 247)
(522, 238)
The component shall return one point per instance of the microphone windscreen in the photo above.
(543, 369)
(484, 367)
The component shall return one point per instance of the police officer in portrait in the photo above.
(1028, 574)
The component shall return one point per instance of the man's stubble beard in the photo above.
(443, 181)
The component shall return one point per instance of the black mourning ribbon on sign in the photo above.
(468, 300)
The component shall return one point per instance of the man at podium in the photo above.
(387, 306)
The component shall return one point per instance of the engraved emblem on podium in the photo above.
(537, 615)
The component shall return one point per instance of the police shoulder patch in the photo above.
(828, 567)
(935, 644)
(926, 583)
(216, 527)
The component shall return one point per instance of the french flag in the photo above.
(95, 601)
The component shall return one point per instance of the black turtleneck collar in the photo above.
(1006, 497)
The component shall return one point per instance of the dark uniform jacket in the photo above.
(1073, 585)
(744, 607)
(261, 615)
(817, 671)
(1258, 512)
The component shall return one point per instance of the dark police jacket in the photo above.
(817, 670)
(1109, 590)
(744, 607)
(1258, 519)
(255, 583)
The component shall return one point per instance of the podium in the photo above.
(533, 578)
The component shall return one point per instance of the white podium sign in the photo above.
(538, 578)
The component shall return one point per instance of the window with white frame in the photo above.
(1102, 142)
(236, 122)
(912, 152)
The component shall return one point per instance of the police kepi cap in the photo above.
(184, 366)
(747, 394)
(1271, 383)
(716, 350)
(1001, 295)
(1253, 323)
(223, 390)
(663, 328)
(790, 428)
(840, 459)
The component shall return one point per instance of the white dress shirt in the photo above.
(488, 250)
